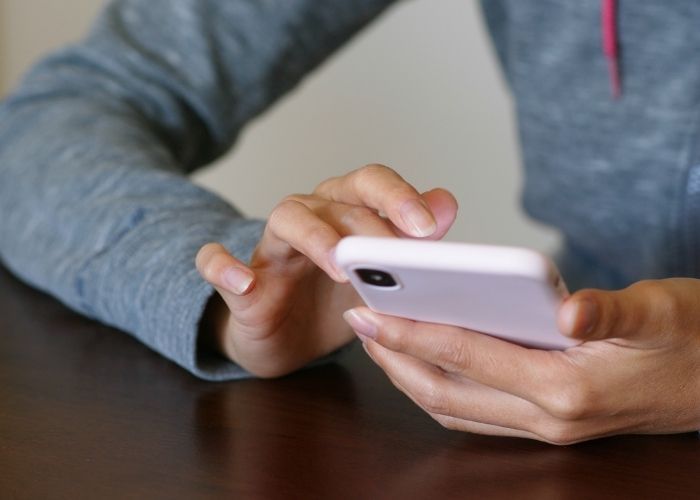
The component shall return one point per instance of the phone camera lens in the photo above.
(376, 277)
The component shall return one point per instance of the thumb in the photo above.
(641, 309)
(232, 279)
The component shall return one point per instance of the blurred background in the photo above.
(419, 91)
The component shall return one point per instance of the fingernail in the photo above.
(417, 216)
(579, 317)
(237, 280)
(587, 316)
(363, 325)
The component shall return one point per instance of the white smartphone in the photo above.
(511, 293)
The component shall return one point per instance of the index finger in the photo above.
(382, 189)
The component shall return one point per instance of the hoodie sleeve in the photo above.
(95, 145)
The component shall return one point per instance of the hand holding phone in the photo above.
(508, 292)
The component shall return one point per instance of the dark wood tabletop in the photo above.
(88, 412)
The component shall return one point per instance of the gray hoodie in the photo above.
(97, 142)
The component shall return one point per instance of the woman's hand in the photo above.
(285, 309)
(637, 370)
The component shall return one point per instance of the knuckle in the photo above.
(393, 337)
(369, 173)
(326, 186)
(316, 236)
(401, 190)
(278, 212)
(455, 356)
(665, 302)
(281, 211)
(357, 216)
(571, 402)
(297, 199)
(377, 168)
(646, 286)
(613, 319)
(433, 399)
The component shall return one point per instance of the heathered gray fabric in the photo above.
(94, 146)
(613, 176)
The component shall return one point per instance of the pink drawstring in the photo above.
(611, 45)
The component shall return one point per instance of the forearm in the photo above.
(108, 227)
(95, 144)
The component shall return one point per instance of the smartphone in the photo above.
(508, 292)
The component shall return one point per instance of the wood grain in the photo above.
(88, 412)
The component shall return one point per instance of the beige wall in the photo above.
(28, 28)
(418, 91)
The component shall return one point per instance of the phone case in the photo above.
(511, 293)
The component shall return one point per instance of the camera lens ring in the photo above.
(376, 278)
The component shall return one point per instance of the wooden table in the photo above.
(88, 412)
